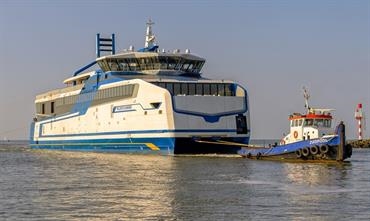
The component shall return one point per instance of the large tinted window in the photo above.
(204, 89)
(176, 88)
(191, 89)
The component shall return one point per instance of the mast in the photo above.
(306, 97)
(149, 38)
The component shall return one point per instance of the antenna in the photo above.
(306, 97)
(149, 38)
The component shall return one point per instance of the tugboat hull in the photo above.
(331, 148)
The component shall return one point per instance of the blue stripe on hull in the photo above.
(163, 146)
(137, 145)
(290, 148)
(142, 132)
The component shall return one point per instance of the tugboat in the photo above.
(311, 138)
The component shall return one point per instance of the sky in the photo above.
(271, 47)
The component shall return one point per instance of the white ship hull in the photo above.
(151, 120)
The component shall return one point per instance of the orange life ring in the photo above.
(295, 134)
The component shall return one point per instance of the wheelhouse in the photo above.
(152, 63)
(323, 119)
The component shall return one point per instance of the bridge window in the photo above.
(151, 63)
(327, 123)
(163, 62)
(300, 122)
(172, 63)
(308, 122)
(318, 122)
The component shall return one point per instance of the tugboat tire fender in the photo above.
(314, 150)
(298, 153)
(258, 156)
(324, 148)
(305, 151)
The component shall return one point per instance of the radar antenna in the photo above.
(306, 97)
(150, 37)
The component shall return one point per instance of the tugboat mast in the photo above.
(306, 97)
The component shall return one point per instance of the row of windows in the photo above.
(42, 109)
(121, 91)
(151, 63)
(212, 89)
(311, 122)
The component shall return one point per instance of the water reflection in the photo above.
(313, 190)
(316, 174)
(56, 185)
(95, 186)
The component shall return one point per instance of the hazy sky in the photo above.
(271, 47)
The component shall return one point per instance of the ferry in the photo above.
(311, 138)
(144, 101)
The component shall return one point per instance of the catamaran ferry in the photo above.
(145, 101)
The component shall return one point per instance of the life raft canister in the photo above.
(295, 134)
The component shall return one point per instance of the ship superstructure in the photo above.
(147, 101)
(314, 124)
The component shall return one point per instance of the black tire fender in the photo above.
(298, 153)
(305, 151)
(324, 148)
(314, 150)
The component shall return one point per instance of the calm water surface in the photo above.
(56, 185)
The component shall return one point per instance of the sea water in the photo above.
(59, 185)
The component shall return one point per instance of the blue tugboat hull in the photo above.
(326, 148)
